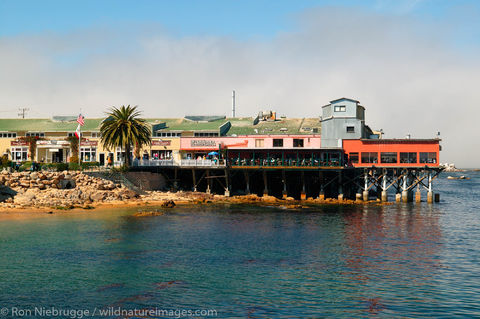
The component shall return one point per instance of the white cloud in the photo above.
(407, 74)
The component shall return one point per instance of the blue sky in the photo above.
(412, 63)
(241, 19)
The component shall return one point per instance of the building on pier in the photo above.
(334, 155)
(339, 138)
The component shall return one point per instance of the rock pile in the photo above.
(58, 189)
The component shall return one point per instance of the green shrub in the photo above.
(25, 166)
(68, 166)
(59, 167)
(74, 166)
(5, 162)
(87, 165)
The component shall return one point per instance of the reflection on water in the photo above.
(388, 261)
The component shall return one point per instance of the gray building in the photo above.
(343, 119)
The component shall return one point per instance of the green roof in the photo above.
(239, 125)
(182, 124)
(46, 125)
(244, 126)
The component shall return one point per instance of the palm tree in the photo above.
(124, 128)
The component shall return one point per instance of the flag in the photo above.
(80, 119)
(78, 133)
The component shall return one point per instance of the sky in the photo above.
(413, 64)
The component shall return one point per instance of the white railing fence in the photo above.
(183, 162)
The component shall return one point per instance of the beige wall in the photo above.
(5, 145)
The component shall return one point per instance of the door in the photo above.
(57, 157)
(101, 159)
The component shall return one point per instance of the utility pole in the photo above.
(23, 110)
(233, 103)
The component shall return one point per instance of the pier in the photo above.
(299, 180)
(335, 155)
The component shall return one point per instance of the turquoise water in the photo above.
(403, 260)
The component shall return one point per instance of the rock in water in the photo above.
(168, 204)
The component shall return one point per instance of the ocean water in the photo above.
(397, 261)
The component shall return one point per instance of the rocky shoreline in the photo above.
(55, 191)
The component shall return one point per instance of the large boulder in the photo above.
(66, 184)
(6, 193)
(24, 199)
(25, 184)
(269, 199)
(98, 196)
(128, 194)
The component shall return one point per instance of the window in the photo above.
(88, 154)
(259, 142)
(388, 157)
(298, 142)
(339, 108)
(350, 129)
(121, 155)
(19, 154)
(369, 157)
(408, 157)
(315, 130)
(203, 134)
(429, 158)
(161, 155)
(38, 134)
(70, 134)
(168, 134)
(95, 134)
(353, 157)
(278, 142)
(7, 135)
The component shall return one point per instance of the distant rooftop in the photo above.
(344, 98)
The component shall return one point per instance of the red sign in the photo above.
(89, 143)
(18, 143)
(161, 143)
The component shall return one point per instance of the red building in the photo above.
(392, 152)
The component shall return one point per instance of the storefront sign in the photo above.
(52, 142)
(203, 143)
(161, 143)
(89, 143)
(18, 143)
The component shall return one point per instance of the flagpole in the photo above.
(80, 122)
(79, 140)
(79, 144)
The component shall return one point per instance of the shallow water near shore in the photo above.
(401, 260)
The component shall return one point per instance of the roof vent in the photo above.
(267, 115)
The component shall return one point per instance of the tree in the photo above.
(74, 148)
(124, 128)
(32, 145)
